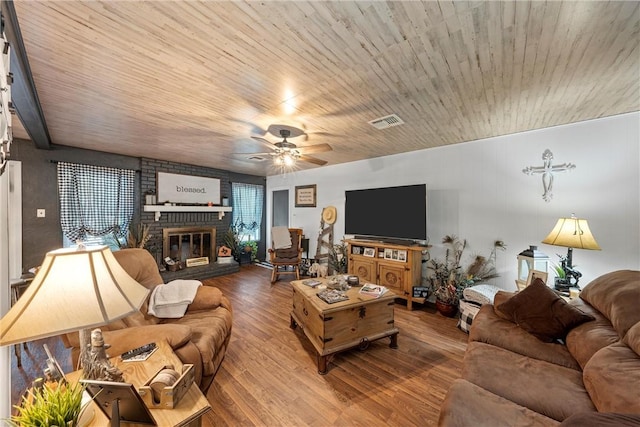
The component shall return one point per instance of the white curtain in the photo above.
(247, 209)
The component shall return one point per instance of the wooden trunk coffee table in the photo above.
(332, 328)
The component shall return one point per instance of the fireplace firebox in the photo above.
(184, 243)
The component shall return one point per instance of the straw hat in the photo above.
(329, 214)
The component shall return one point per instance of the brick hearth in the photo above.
(201, 272)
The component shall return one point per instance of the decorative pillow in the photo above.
(499, 298)
(468, 310)
(542, 313)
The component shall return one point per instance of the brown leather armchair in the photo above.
(200, 337)
(282, 259)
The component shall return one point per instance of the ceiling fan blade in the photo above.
(313, 160)
(322, 134)
(253, 154)
(263, 141)
(255, 129)
(317, 148)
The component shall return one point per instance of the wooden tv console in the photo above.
(398, 267)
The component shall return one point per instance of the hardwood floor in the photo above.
(269, 375)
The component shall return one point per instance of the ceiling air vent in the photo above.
(386, 122)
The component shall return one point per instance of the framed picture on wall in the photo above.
(305, 196)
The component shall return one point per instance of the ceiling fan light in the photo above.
(288, 160)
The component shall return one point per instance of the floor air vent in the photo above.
(386, 122)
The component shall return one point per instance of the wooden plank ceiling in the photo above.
(193, 81)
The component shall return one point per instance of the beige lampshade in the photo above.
(572, 233)
(74, 289)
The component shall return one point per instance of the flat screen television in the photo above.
(391, 213)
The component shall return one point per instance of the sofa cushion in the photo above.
(208, 298)
(632, 339)
(601, 419)
(136, 336)
(489, 328)
(539, 311)
(612, 378)
(585, 340)
(466, 404)
(139, 264)
(211, 329)
(551, 390)
(616, 296)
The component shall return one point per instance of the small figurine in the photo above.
(95, 363)
(319, 270)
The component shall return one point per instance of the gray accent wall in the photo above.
(40, 191)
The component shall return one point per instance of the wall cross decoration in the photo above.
(547, 171)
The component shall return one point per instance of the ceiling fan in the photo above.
(286, 153)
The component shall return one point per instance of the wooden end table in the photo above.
(189, 410)
(332, 328)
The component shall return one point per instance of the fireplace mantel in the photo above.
(158, 209)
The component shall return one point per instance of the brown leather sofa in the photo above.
(512, 378)
(200, 337)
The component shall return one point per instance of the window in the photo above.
(247, 209)
(96, 203)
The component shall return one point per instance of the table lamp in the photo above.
(74, 289)
(571, 233)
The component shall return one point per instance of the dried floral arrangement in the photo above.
(449, 278)
(338, 258)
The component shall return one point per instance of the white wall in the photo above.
(477, 190)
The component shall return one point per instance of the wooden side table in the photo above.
(189, 410)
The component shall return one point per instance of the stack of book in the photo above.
(312, 282)
(331, 296)
(373, 290)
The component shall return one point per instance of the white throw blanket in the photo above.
(170, 301)
(281, 237)
(481, 293)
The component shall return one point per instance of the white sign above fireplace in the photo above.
(187, 189)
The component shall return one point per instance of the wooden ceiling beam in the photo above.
(24, 96)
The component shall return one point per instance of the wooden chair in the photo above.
(282, 259)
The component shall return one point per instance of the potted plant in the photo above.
(52, 404)
(447, 298)
(232, 241)
(242, 248)
(449, 278)
(251, 247)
